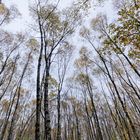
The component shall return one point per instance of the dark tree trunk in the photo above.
(78, 136)
(38, 88)
(14, 117)
(47, 126)
(94, 113)
(59, 115)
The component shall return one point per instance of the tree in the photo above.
(50, 92)
(53, 31)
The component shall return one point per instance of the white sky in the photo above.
(21, 24)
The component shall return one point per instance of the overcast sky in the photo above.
(21, 24)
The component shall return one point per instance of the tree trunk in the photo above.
(59, 115)
(47, 126)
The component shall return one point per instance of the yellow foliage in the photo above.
(2, 9)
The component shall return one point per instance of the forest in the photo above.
(74, 74)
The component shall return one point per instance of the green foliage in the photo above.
(125, 32)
